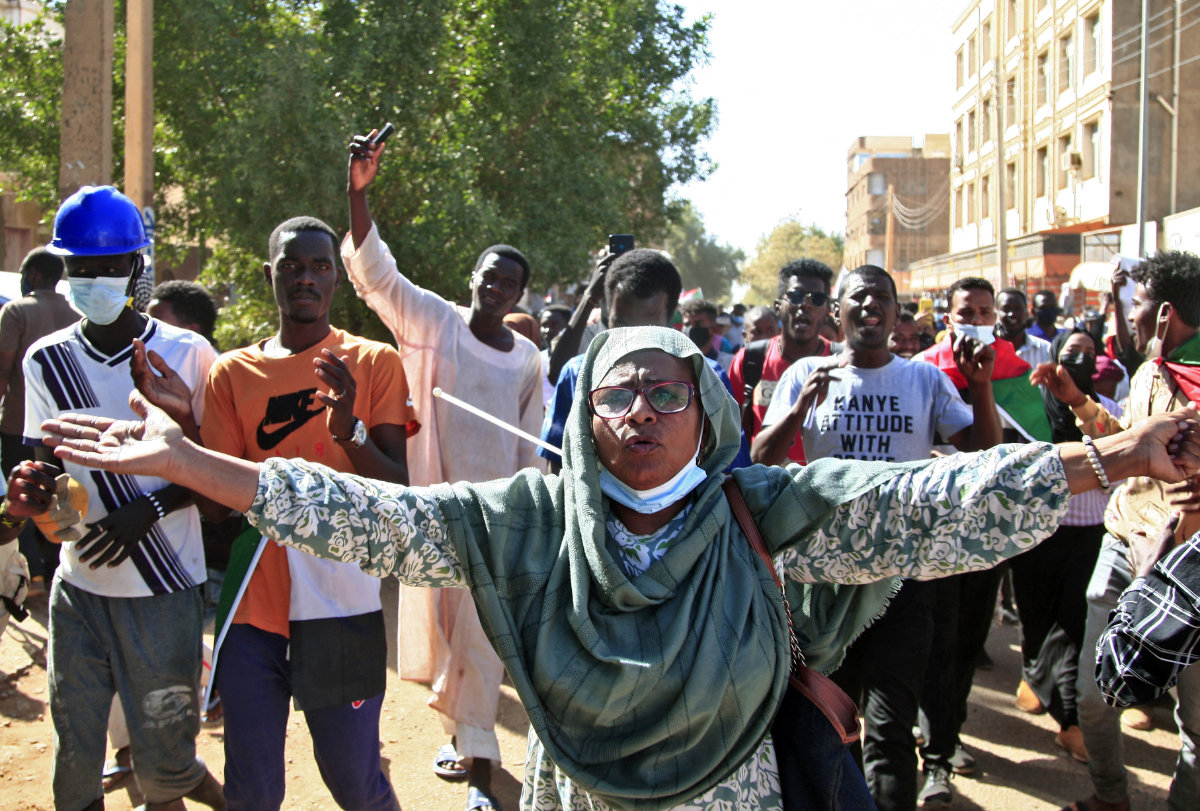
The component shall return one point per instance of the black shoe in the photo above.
(936, 792)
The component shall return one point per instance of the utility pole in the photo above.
(139, 102)
(891, 229)
(85, 135)
(1143, 126)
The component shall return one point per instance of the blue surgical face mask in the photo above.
(985, 335)
(100, 300)
(656, 499)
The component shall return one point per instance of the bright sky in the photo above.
(796, 81)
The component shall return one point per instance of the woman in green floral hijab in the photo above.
(645, 639)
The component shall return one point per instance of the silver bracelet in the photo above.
(1094, 457)
(157, 505)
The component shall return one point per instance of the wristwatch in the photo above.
(358, 436)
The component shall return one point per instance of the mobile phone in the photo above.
(381, 136)
(620, 243)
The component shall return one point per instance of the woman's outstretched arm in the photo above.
(152, 446)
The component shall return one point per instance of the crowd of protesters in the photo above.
(836, 367)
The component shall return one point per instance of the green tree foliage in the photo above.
(542, 123)
(31, 70)
(789, 240)
(701, 260)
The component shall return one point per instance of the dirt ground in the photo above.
(1019, 766)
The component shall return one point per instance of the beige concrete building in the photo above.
(897, 197)
(1046, 134)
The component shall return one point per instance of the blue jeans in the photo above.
(254, 677)
(1101, 724)
(147, 651)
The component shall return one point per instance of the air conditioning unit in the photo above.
(1071, 161)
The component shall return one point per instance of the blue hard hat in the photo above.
(97, 221)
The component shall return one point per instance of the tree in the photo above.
(31, 76)
(789, 240)
(701, 260)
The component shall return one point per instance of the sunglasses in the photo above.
(614, 402)
(797, 297)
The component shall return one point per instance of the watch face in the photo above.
(359, 437)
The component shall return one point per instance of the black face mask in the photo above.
(26, 286)
(701, 337)
(1080, 366)
(1047, 315)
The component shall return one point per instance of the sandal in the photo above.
(115, 771)
(478, 799)
(447, 765)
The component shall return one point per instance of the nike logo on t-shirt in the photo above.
(287, 412)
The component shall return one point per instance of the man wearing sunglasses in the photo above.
(867, 403)
(802, 306)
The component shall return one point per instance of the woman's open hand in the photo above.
(142, 447)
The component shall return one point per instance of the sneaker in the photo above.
(962, 762)
(936, 792)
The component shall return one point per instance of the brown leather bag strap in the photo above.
(837, 707)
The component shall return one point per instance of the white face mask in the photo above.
(985, 335)
(656, 499)
(100, 300)
(1154, 348)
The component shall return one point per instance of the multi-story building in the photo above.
(897, 193)
(1046, 123)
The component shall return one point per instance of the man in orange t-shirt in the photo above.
(299, 628)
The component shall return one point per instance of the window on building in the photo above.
(877, 183)
(1064, 160)
(1066, 63)
(1010, 185)
(970, 203)
(985, 134)
(1043, 78)
(1012, 19)
(985, 196)
(985, 41)
(875, 256)
(958, 204)
(959, 143)
(1091, 150)
(971, 56)
(1010, 102)
(1041, 171)
(958, 68)
(1091, 43)
(971, 131)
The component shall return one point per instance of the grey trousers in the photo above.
(147, 651)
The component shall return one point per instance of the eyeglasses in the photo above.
(796, 297)
(614, 402)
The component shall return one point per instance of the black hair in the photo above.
(871, 270)
(699, 305)
(46, 267)
(191, 302)
(971, 283)
(905, 317)
(1173, 277)
(297, 225)
(1014, 291)
(561, 309)
(644, 273)
(911, 307)
(507, 252)
(805, 269)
